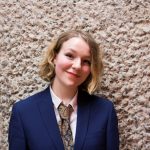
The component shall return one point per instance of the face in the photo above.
(72, 63)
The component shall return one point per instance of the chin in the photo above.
(72, 85)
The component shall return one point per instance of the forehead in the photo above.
(77, 44)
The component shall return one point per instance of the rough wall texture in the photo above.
(121, 27)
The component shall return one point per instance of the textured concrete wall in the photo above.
(121, 27)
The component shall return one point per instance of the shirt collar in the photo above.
(56, 100)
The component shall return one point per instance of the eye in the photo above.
(87, 62)
(69, 55)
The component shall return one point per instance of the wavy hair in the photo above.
(47, 68)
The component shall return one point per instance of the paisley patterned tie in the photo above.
(64, 125)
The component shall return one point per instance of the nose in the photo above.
(76, 64)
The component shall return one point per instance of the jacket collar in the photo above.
(82, 119)
(48, 115)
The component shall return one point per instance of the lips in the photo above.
(73, 74)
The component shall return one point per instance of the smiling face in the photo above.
(72, 63)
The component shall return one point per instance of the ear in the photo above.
(54, 59)
(54, 62)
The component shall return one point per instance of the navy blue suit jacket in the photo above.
(33, 124)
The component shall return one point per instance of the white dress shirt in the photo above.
(73, 118)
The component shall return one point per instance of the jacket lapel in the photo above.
(82, 120)
(48, 115)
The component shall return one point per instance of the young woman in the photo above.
(73, 66)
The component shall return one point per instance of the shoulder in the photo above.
(31, 100)
(99, 106)
(95, 100)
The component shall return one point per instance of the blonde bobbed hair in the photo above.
(47, 68)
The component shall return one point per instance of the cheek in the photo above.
(62, 65)
(86, 69)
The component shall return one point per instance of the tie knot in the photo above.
(64, 111)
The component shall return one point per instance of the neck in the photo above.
(64, 93)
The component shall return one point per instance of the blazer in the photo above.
(33, 124)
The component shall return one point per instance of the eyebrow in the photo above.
(88, 56)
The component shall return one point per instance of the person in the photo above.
(73, 66)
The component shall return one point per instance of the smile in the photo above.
(73, 74)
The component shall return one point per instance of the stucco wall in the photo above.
(121, 27)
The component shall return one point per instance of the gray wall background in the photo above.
(121, 27)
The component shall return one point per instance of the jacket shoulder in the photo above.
(95, 99)
(31, 100)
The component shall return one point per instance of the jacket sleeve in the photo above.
(16, 137)
(112, 130)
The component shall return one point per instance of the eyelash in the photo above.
(87, 62)
(70, 56)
